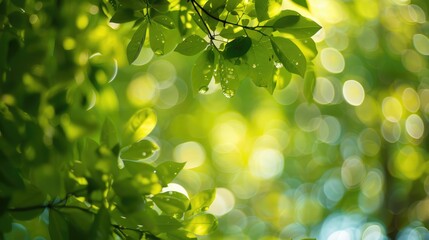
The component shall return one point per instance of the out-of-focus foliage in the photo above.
(66, 171)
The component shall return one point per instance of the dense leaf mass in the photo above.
(230, 28)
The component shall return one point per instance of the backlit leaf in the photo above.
(229, 77)
(167, 171)
(157, 38)
(164, 21)
(265, 9)
(202, 201)
(139, 150)
(261, 7)
(201, 224)
(135, 45)
(141, 124)
(289, 55)
(302, 3)
(307, 46)
(171, 202)
(191, 45)
(303, 28)
(202, 71)
(261, 64)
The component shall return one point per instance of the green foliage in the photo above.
(136, 43)
(64, 160)
(232, 30)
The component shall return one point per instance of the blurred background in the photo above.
(352, 164)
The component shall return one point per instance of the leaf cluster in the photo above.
(234, 39)
(59, 164)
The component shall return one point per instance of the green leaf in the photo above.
(48, 179)
(309, 84)
(231, 32)
(261, 64)
(302, 3)
(167, 223)
(19, 3)
(18, 19)
(141, 124)
(229, 77)
(160, 5)
(289, 55)
(101, 229)
(165, 21)
(216, 4)
(201, 224)
(157, 39)
(231, 5)
(261, 7)
(141, 184)
(139, 168)
(266, 9)
(286, 21)
(4, 204)
(213, 14)
(202, 201)
(134, 4)
(108, 135)
(282, 78)
(180, 235)
(237, 47)
(27, 198)
(202, 71)
(144, 180)
(139, 150)
(171, 202)
(5, 223)
(125, 188)
(58, 228)
(10, 177)
(123, 15)
(191, 45)
(307, 46)
(167, 171)
(79, 222)
(199, 22)
(135, 45)
(304, 28)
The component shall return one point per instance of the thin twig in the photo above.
(195, 3)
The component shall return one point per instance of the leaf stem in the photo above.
(211, 36)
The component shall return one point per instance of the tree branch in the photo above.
(225, 22)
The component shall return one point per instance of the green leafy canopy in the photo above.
(225, 33)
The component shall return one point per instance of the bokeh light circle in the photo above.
(353, 92)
